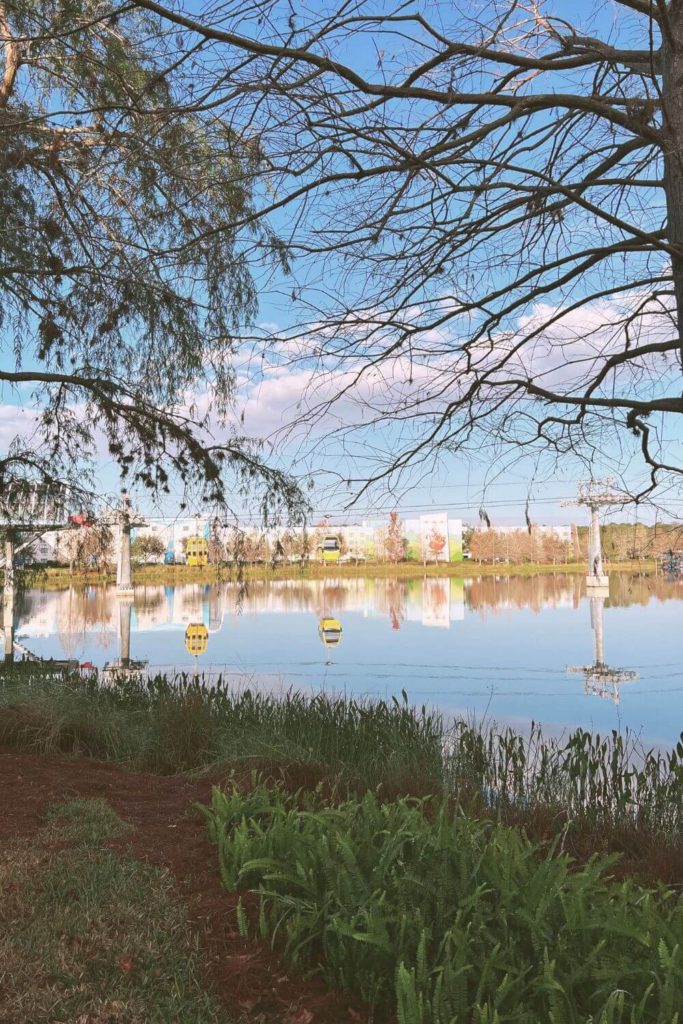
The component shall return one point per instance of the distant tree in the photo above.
(278, 550)
(356, 547)
(394, 545)
(288, 545)
(518, 546)
(87, 547)
(147, 548)
(217, 548)
(553, 548)
(156, 547)
(515, 546)
(249, 546)
(380, 542)
(302, 545)
(482, 545)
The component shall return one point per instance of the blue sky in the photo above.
(503, 483)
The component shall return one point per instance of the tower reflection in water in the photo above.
(124, 667)
(599, 679)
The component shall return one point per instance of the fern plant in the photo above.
(443, 919)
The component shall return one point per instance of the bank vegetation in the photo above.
(437, 869)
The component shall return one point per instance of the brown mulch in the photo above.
(168, 831)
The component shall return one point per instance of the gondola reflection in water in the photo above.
(330, 632)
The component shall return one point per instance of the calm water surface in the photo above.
(496, 647)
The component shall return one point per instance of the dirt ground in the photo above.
(251, 980)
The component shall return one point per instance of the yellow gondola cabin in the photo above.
(196, 638)
(330, 549)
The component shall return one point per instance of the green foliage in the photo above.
(583, 780)
(172, 724)
(634, 540)
(147, 548)
(124, 278)
(444, 919)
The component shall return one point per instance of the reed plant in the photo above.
(602, 781)
(440, 918)
(603, 793)
(176, 724)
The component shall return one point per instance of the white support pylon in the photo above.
(594, 495)
(124, 519)
(8, 599)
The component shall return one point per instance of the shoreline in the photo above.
(171, 575)
(192, 817)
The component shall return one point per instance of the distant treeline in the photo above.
(626, 541)
(621, 542)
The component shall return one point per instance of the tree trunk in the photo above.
(672, 88)
(8, 599)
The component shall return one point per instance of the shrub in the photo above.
(443, 919)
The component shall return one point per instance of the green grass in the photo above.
(444, 919)
(85, 822)
(178, 725)
(51, 579)
(604, 793)
(90, 935)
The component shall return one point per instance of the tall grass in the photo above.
(442, 918)
(171, 725)
(601, 785)
(601, 780)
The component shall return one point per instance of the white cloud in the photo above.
(16, 421)
(320, 384)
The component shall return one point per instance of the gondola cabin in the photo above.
(197, 551)
(81, 519)
(330, 632)
(330, 549)
(196, 638)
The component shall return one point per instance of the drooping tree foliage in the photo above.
(123, 279)
(486, 205)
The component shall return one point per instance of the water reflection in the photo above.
(330, 632)
(196, 642)
(124, 665)
(73, 614)
(494, 646)
(600, 679)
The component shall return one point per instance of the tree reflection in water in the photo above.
(74, 615)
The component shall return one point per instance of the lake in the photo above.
(487, 647)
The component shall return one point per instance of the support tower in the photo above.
(594, 495)
(125, 519)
